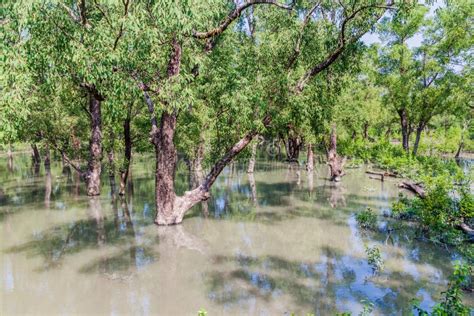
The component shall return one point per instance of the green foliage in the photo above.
(374, 258)
(452, 303)
(367, 219)
(202, 312)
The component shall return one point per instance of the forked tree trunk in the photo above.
(310, 158)
(251, 166)
(124, 169)
(92, 175)
(36, 155)
(336, 163)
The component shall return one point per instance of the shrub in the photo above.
(374, 258)
(367, 219)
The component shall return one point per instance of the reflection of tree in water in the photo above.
(334, 281)
(337, 197)
(94, 232)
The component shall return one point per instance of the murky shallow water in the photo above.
(283, 241)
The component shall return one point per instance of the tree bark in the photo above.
(419, 130)
(293, 146)
(310, 158)
(251, 166)
(405, 129)
(124, 169)
(47, 156)
(336, 163)
(94, 168)
(36, 155)
(366, 130)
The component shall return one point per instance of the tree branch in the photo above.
(234, 14)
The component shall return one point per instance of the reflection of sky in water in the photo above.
(261, 272)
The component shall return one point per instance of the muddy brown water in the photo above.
(279, 242)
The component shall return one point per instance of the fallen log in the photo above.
(467, 229)
(413, 187)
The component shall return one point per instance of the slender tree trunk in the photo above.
(94, 167)
(366, 130)
(36, 155)
(127, 155)
(310, 158)
(47, 156)
(336, 163)
(253, 189)
(419, 130)
(47, 186)
(461, 143)
(10, 158)
(405, 129)
(251, 166)
(113, 186)
(293, 147)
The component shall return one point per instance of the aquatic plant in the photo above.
(452, 302)
(374, 258)
(367, 219)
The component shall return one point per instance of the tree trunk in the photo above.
(293, 147)
(251, 166)
(405, 129)
(461, 143)
(124, 169)
(310, 158)
(366, 130)
(47, 186)
(36, 155)
(111, 158)
(47, 156)
(419, 130)
(92, 176)
(336, 163)
(10, 158)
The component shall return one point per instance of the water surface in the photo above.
(280, 241)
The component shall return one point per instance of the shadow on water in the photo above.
(96, 232)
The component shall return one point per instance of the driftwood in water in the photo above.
(382, 175)
(413, 187)
(467, 229)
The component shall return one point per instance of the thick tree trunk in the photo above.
(253, 189)
(336, 163)
(127, 155)
(405, 129)
(47, 156)
(165, 152)
(36, 155)
(253, 157)
(310, 158)
(92, 176)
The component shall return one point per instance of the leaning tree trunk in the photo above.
(336, 163)
(461, 143)
(36, 155)
(419, 130)
(92, 176)
(251, 166)
(310, 158)
(124, 169)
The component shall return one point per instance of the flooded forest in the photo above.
(236, 157)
